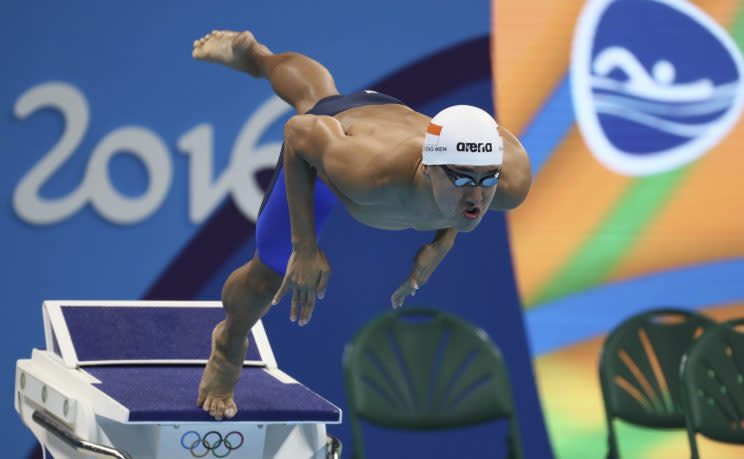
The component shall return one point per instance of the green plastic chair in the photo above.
(639, 369)
(713, 385)
(422, 369)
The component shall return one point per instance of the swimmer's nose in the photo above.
(474, 195)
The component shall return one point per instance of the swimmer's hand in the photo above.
(307, 275)
(424, 263)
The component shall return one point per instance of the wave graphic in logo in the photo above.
(655, 83)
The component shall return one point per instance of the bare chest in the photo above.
(393, 214)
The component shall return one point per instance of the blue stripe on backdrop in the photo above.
(588, 314)
(549, 126)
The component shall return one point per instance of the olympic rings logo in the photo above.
(212, 442)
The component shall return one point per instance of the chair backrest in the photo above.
(639, 366)
(423, 369)
(713, 383)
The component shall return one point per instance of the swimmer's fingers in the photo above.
(305, 294)
(295, 301)
(399, 297)
(286, 284)
(323, 283)
(307, 308)
(408, 287)
(310, 293)
(395, 299)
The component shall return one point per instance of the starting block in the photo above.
(119, 379)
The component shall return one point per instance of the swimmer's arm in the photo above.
(444, 239)
(307, 270)
(516, 177)
(299, 176)
(359, 168)
(424, 263)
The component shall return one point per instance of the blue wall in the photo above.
(130, 63)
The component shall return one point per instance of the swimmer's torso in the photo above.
(372, 163)
(396, 133)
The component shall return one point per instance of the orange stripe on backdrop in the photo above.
(703, 220)
(570, 197)
(725, 312)
(531, 43)
(722, 11)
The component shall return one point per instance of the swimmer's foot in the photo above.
(237, 50)
(217, 385)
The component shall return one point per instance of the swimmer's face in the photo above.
(464, 206)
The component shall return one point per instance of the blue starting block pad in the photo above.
(125, 375)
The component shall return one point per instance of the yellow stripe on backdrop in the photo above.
(568, 381)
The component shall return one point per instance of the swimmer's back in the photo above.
(388, 121)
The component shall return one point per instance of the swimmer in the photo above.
(391, 168)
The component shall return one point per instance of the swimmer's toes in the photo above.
(242, 41)
(205, 404)
(218, 409)
(231, 409)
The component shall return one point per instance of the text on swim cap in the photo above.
(474, 147)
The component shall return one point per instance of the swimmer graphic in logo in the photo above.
(655, 83)
(391, 168)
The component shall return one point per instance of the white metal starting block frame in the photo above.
(94, 391)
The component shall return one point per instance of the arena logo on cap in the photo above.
(655, 83)
(475, 147)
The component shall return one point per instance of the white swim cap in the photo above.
(463, 134)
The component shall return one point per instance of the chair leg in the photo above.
(356, 433)
(513, 440)
(693, 444)
(612, 450)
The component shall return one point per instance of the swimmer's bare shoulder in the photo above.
(516, 175)
(365, 169)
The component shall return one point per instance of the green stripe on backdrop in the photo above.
(608, 244)
(737, 28)
(633, 442)
(606, 247)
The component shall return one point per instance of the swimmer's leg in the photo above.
(296, 78)
(246, 297)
